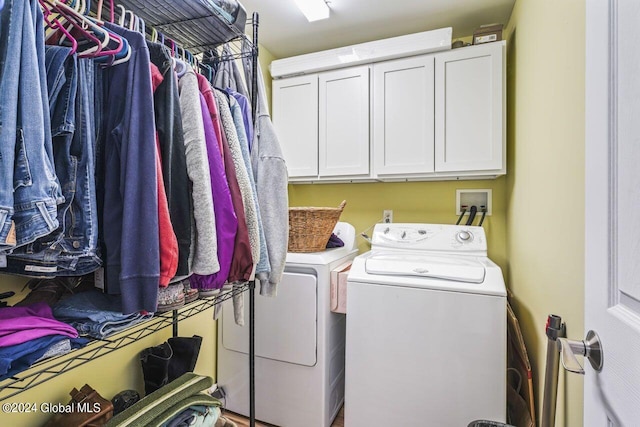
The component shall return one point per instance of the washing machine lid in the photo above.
(390, 270)
(423, 265)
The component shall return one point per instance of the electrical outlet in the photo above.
(387, 216)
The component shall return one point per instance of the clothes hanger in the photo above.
(49, 32)
(122, 13)
(125, 55)
(142, 27)
(98, 38)
(154, 35)
(131, 19)
(99, 12)
(209, 69)
(121, 47)
(57, 26)
(118, 47)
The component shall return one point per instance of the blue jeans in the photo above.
(96, 314)
(72, 248)
(26, 130)
(10, 42)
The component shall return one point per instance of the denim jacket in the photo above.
(29, 189)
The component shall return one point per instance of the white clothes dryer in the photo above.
(299, 345)
(426, 329)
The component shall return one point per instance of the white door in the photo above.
(470, 114)
(403, 116)
(344, 122)
(295, 118)
(612, 215)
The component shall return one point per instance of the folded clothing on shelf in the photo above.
(17, 358)
(22, 324)
(96, 314)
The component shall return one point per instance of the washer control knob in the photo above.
(464, 236)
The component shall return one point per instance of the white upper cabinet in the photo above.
(433, 116)
(470, 114)
(295, 116)
(343, 141)
(403, 111)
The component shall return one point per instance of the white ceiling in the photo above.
(285, 32)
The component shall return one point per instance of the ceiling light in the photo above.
(314, 10)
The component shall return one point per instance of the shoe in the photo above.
(123, 400)
(190, 294)
(171, 297)
(206, 293)
(155, 366)
(185, 355)
(89, 409)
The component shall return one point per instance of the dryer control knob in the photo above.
(465, 236)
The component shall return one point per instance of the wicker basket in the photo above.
(310, 228)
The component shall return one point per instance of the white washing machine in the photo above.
(426, 329)
(299, 344)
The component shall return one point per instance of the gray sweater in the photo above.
(204, 251)
(270, 173)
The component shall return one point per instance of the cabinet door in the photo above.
(295, 118)
(403, 115)
(344, 122)
(470, 96)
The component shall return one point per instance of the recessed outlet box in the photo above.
(473, 197)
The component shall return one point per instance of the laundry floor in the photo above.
(244, 422)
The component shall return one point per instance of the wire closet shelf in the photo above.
(193, 28)
(196, 25)
(50, 368)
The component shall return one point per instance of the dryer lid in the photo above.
(457, 269)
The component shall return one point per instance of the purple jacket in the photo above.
(22, 324)
(226, 220)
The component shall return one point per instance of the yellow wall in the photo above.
(545, 185)
(428, 202)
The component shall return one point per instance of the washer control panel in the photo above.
(431, 237)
